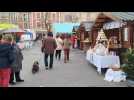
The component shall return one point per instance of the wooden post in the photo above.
(120, 36)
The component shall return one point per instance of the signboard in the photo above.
(126, 34)
(112, 25)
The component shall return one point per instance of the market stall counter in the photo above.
(102, 61)
(100, 55)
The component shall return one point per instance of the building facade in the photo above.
(36, 20)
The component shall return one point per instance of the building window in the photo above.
(25, 17)
(38, 15)
(54, 18)
(38, 24)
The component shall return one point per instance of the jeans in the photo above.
(46, 60)
(58, 53)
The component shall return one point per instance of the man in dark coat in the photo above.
(48, 47)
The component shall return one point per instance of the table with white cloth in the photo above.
(102, 61)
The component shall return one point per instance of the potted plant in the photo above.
(128, 66)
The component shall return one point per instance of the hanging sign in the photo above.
(126, 34)
(113, 24)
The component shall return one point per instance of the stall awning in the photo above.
(7, 26)
(126, 16)
(121, 16)
(112, 19)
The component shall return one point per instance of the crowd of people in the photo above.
(51, 45)
(11, 56)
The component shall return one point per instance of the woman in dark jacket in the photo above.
(6, 59)
(17, 65)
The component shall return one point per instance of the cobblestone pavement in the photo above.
(76, 73)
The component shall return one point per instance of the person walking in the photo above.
(74, 41)
(48, 47)
(6, 59)
(78, 42)
(66, 46)
(59, 47)
(17, 64)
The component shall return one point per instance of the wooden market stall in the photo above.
(119, 29)
(85, 34)
(98, 25)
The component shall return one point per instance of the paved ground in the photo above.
(76, 73)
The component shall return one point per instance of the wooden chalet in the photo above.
(85, 33)
(117, 26)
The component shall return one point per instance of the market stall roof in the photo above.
(118, 17)
(7, 26)
(125, 16)
(100, 20)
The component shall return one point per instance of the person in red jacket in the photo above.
(74, 41)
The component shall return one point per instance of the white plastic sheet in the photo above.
(115, 76)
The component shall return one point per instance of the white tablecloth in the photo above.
(102, 61)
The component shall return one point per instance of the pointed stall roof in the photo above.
(114, 16)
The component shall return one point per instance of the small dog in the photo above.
(35, 68)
